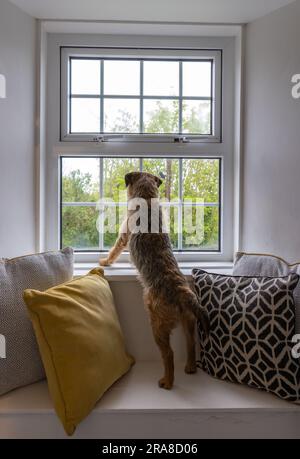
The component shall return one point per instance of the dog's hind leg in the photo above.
(162, 334)
(188, 323)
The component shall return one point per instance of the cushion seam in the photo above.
(52, 359)
(63, 252)
(202, 272)
(290, 265)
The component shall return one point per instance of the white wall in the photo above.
(270, 205)
(271, 202)
(17, 111)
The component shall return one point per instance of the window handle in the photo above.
(107, 138)
(181, 139)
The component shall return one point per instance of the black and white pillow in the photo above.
(252, 324)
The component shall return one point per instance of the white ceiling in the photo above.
(203, 11)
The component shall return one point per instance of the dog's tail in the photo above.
(202, 317)
(191, 302)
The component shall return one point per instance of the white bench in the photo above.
(135, 407)
(197, 407)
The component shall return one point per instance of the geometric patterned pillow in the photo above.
(252, 323)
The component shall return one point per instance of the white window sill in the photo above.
(120, 272)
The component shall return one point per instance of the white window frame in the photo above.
(157, 54)
(223, 146)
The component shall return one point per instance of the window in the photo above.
(135, 95)
(140, 97)
(190, 196)
(131, 103)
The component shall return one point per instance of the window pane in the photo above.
(196, 79)
(79, 228)
(170, 214)
(161, 116)
(161, 78)
(80, 179)
(122, 78)
(114, 171)
(171, 221)
(168, 171)
(201, 228)
(196, 117)
(81, 184)
(201, 186)
(121, 115)
(85, 76)
(201, 180)
(111, 232)
(85, 115)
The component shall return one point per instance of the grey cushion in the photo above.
(23, 365)
(248, 264)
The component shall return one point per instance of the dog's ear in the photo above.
(131, 178)
(159, 181)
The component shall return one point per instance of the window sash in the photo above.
(142, 55)
(180, 204)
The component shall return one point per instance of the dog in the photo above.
(167, 294)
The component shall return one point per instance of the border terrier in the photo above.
(167, 294)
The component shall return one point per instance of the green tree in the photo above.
(79, 223)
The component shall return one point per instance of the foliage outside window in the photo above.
(191, 189)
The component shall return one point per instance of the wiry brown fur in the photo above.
(167, 294)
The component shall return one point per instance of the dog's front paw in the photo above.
(165, 384)
(104, 262)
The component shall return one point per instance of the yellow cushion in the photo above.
(81, 343)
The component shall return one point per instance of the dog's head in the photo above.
(142, 184)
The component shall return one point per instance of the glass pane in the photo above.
(200, 228)
(121, 115)
(79, 228)
(161, 78)
(171, 222)
(201, 180)
(114, 177)
(81, 184)
(85, 115)
(161, 116)
(80, 179)
(196, 117)
(115, 215)
(85, 76)
(122, 78)
(196, 79)
(168, 171)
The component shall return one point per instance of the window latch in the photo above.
(107, 138)
(181, 139)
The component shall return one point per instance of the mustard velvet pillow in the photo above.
(81, 343)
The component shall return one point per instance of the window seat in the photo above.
(197, 407)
